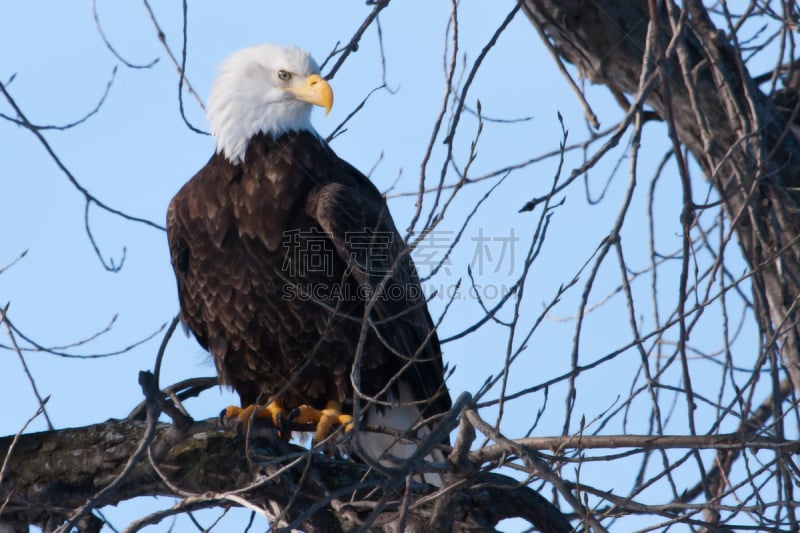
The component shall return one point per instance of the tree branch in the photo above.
(50, 474)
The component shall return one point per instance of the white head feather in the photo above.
(248, 97)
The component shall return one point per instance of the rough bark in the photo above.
(51, 474)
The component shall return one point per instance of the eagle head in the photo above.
(264, 89)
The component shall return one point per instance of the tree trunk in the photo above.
(739, 136)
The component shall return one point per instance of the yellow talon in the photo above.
(273, 412)
(325, 419)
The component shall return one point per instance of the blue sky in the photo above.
(136, 152)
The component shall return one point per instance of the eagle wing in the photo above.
(354, 216)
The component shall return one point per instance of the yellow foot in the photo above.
(325, 419)
(273, 411)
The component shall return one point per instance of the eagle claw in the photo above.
(283, 422)
(292, 417)
(273, 412)
(324, 419)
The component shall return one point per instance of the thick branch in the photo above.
(51, 473)
(737, 134)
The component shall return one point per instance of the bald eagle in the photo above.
(292, 273)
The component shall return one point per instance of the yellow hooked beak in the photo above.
(315, 91)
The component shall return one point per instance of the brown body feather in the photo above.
(276, 259)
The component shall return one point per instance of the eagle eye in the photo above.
(284, 76)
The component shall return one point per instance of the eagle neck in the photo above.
(287, 146)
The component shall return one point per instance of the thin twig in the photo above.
(10, 331)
